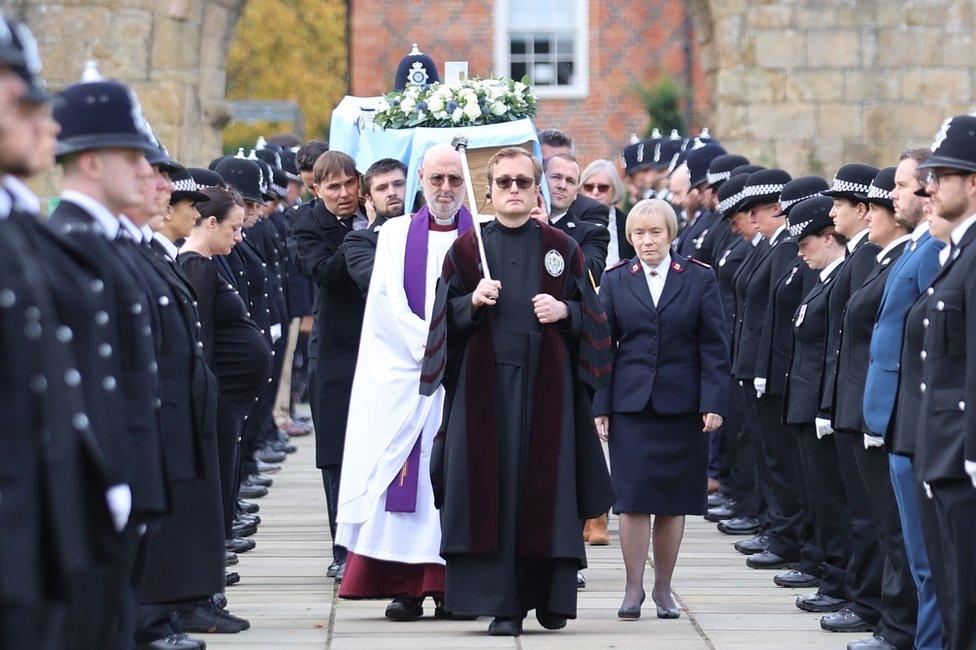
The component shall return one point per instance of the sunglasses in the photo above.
(600, 188)
(522, 182)
(438, 179)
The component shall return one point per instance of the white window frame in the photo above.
(502, 59)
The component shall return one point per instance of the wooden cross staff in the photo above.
(460, 144)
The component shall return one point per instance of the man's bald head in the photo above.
(442, 180)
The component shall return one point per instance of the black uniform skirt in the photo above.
(659, 462)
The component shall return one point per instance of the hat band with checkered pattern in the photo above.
(185, 185)
(797, 228)
(762, 190)
(875, 192)
(729, 203)
(717, 177)
(848, 187)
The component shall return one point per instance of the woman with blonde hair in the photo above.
(601, 181)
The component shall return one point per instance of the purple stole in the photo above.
(401, 495)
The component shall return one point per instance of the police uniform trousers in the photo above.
(932, 536)
(269, 395)
(865, 565)
(955, 505)
(899, 602)
(782, 460)
(729, 436)
(752, 468)
(828, 508)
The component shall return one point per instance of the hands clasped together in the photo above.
(547, 309)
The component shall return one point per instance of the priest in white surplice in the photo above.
(386, 517)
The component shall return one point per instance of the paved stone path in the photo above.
(292, 606)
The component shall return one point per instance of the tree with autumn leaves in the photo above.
(292, 50)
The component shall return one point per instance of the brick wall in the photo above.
(630, 41)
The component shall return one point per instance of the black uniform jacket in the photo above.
(806, 375)
(593, 239)
(855, 345)
(138, 381)
(583, 208)
(947, 428)
(359, 250)
(860, 262)
(338, 323)
(690, 239)
(726, 267)
(754, 285)
(788, 292)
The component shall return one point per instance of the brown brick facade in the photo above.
(630, 41)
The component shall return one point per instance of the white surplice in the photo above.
(387, 412)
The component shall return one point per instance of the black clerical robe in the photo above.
(517, 466)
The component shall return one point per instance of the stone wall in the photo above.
(808, 85)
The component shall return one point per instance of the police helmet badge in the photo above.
(554, 263)
(418, 74)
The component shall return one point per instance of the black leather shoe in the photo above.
(231, 579)
(722, 512)
(505, 626)
(218, 604)
(845, 620)
(239, 545)
(405, 608)
(767, 560)
(331, 571)
(795, 578)
(739, 526)
(266, 468)
(268, 455)
(874, 643)
(247, 506)
(243, 529)
(205, 619)
(248, 519)
(820, 603)
(752, 545)
(550, 621)
(340, 572)
(283, 446)
(257, 479)
(442, 614)
(173, 642)
(580, 580)
(252, 491)
(230, 558)
(717, 499)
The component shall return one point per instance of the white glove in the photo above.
(760, 385)
(872, 441)
(823, 428)
(119, 499)
(928, 489)
(275, 332)
(970, 467)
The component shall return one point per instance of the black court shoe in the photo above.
(405, 608)
(505, 626)
(634, 612)
(550, 621)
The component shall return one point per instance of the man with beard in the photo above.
(384, 186)
(387, 518)
(516, 467)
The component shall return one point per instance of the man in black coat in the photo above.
(384, 186)
(339, 305)
(576, 215)
(696, 196)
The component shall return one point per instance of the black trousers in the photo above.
(828, 508)
(751, 488)
(955, 505)
(330, 481)
(21, 624)
(270, 392)
(866, 563)
(230, 423)
(899, 597)
(932, 534)
(729, 436)
(785, 481)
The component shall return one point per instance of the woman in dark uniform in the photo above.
(233, 345)
(668, 389)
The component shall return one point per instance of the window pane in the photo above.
(565, 44)
(518, 44)
(542, 14)
(518, 70)
(543, 74)
(542, 46)
(564, 73)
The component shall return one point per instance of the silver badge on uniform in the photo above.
(554, 263)
(800, 314)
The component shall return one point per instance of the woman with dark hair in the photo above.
(233, 345)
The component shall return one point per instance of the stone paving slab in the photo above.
(292, 606)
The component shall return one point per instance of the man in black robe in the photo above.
(517, 466)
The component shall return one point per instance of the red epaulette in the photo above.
(698, 262)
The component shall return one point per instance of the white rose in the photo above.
(472, 110)
(499, 108)
(468, 97)
(382, 105)
(441, 115)
(407, 104)
(435, 103)
(520, 87)
(457, 115)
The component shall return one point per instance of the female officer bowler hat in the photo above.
(809, 217)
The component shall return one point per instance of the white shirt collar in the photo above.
(169, 246)
(131, 228)
(856, 239)
(776, 234)
(944, 255)
(22, 195)
(887, 249)
(556, 217)
(5, 204)
(95, 208)
(756, 239)
(920, 230)
(661, 268)
(830, 267)
(959, 231)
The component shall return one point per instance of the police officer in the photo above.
(697, 198)
(946, 452)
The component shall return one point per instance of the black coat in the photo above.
(592, 238)
(851, 276)
(359, 250)
(903, 433)
(138, 382)
(301, 291)
(855, 345)
(949, 346)
(788, 292)
(753, 286)
(624, 249)
(726, 268)
(252, 280)
(810, 329)
(334, 344)
(717, 239)
(690, 240)
(583, 208)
